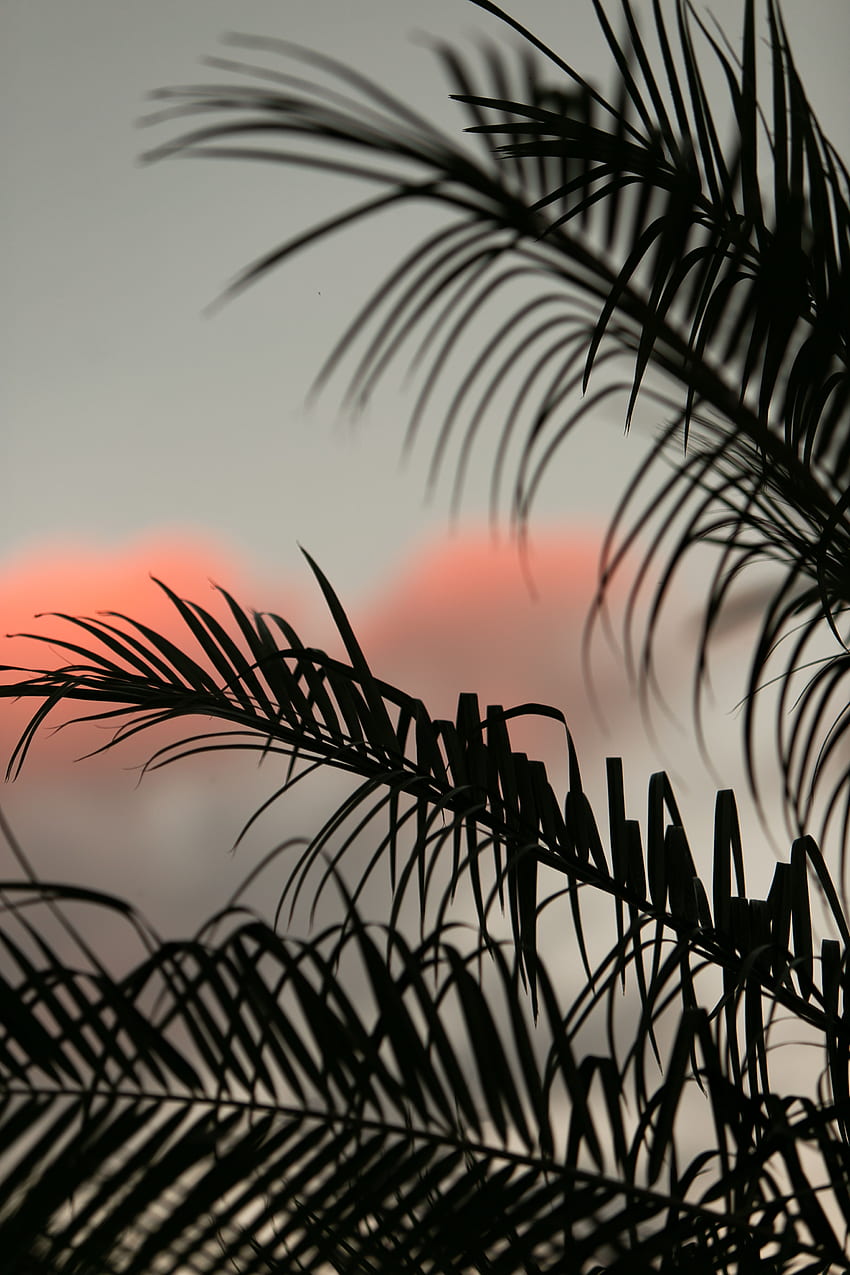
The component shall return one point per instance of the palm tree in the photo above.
(230, 1104)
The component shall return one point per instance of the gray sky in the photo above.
(124, 409)
(128, 410)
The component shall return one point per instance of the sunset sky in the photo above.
(140, 436)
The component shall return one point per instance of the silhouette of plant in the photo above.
(231, 1104)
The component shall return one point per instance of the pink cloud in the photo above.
(463, 614)
(86, 580)
(468, 614)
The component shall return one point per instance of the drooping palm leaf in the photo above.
(233, 1104)
(628, 231)
(448, 805)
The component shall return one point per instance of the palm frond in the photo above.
(620, 231)
(449, 806)
(232, 1104)
(362, 1101)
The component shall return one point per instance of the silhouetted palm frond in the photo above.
(710, 967)
(606, 232)
(230, 1104)
(363, 1101)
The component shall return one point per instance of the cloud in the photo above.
(462, 614)
(471, 614)
(87, 580)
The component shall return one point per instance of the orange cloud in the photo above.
(469, 614)
(84, 580)
(463, 614)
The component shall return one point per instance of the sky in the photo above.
(127, 411)
(143, 435)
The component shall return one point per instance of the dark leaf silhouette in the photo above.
(385, 1122)
(612, 233)
(467, 1100)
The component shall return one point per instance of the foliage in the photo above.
(230, 1104)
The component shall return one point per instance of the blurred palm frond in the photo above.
(591, 234)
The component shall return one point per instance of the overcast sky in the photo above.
(133, 421)
(125, 411)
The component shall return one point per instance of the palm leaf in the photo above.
(243, 1108)
(626, 230)
(450, 806)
